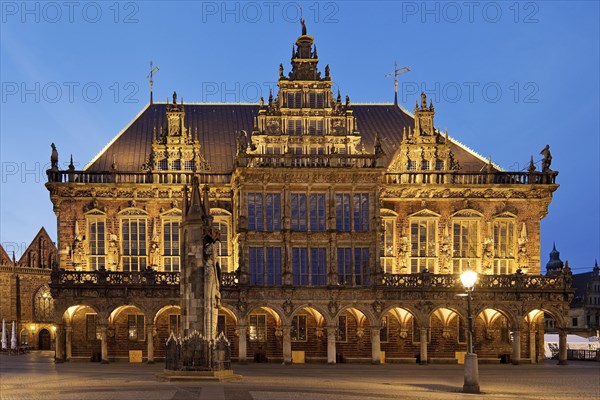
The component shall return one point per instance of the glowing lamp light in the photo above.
(54, 328)
(468, 279)
(32, 327)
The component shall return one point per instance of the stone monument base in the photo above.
(198, 376)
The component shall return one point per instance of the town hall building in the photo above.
(342, 231)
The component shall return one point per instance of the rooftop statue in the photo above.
(547, 160)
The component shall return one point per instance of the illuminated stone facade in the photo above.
(25, 293)
(343, 229)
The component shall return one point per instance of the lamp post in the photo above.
(471, 384)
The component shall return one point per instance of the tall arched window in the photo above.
(465, 241)
(134, 239)
(43, 305)
(387, 251)
(171, 251)
(504, 245)
(423, 241)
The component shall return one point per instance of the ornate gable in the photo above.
(305, 118)
(174, 148)
(423, 148)
(4, 258)
(41, 252)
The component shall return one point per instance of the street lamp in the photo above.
(471, 384)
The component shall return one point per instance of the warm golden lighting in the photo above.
(32, 327)
(53, 328)
(468, 279)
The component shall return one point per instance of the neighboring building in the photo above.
(343, 228)
(584, 315)
(25, 294)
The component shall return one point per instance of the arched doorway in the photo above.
(44, 339)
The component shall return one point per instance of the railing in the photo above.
(423, 280)
(229, 279)
(576, 354)
(104, 277)
(447, 281)
(472, 178)
(308, 160)
(157, 177)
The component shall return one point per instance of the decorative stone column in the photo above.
(150, 337)
(59, 351)
(516, 347)
(423, 340)
(242, 344)
(103, 344)
(287, 344)
(331, 332)
(532, 347)
(375, 345)
(68, 345)
(562, 347)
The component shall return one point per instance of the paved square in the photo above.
(35, 376)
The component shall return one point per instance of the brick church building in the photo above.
(343, 230)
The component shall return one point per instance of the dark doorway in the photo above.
(44, 339)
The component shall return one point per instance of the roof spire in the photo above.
(150, 78)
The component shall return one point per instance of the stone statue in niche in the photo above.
(112, 255)
(487, 260)
(403, 254)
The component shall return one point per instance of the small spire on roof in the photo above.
(531, 167)
(174, 97)
(339, 96)
(71, 166)
(423, 101)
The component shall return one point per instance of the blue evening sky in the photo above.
(506, 79)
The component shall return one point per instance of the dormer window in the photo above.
(294, 127)
(316, 100)
(294, 100)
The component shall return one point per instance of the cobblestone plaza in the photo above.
(36, 376)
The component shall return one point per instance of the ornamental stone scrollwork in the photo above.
(333, 307)
(377, 306)
(288, 307)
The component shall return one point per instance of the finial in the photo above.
(281, 70)
(416, 106)
(339, 96)
(174, 97)
(315, 52)
(71, 166)
(270, 96)
(293, 51)
(423, 101)
(531, 167)
(303, 23)
(430, 105)
(347, 101)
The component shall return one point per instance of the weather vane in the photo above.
(149, 77)
(397, 71)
